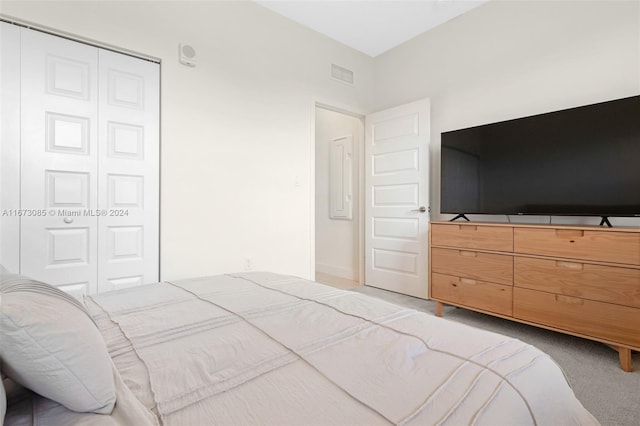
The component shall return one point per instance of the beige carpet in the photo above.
(610, 394)
(332, 280)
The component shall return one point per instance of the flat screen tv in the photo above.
(582, 161)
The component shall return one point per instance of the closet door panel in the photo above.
(59, 159)
(128, 179)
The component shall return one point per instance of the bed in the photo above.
(264, 348)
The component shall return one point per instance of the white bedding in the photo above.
(262, 348)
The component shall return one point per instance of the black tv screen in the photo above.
(578, 161)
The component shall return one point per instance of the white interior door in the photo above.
(128, 178)
(397, 195)
(59, 111)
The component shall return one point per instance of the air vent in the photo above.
(342, 74)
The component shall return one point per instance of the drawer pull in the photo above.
(468, 227)
(569, 265)
(468, 281)
(468, 253)
(569, 300)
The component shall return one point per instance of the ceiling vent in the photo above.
(341, 74)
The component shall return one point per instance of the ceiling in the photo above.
(371, 26)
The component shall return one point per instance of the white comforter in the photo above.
(262, 348)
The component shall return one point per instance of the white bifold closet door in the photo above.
(128, 171)
(89, 164)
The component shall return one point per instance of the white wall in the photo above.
(236, 130)
(336, 239)
(509, 59)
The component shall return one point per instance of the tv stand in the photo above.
(578, 280)
(460, 216)
(605, 221)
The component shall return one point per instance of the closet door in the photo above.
(128, 176)
(59, 159)
(88, 173)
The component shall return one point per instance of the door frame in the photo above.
(10, 146)
(19, 22)
(360, 115)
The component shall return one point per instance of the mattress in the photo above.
(264, 348)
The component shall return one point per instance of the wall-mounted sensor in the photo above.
(187, 55)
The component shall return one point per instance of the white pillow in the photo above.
(51, 346)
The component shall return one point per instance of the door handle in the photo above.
(420, 210)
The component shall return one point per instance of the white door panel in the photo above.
(77, 290)
(128, 234)
(58, 160)
(87, 154)
(397, 149)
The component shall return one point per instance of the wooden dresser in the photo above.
(578, 280)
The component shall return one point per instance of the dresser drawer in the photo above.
(594, 282)
(615, 323)
(498, 238)
(476, 294)
(615, 247)
(497, 268)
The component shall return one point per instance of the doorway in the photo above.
(371, 198)
(339, 138)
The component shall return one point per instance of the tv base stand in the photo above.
(605, 221)
(460, 216)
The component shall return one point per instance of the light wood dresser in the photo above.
(578, 280)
